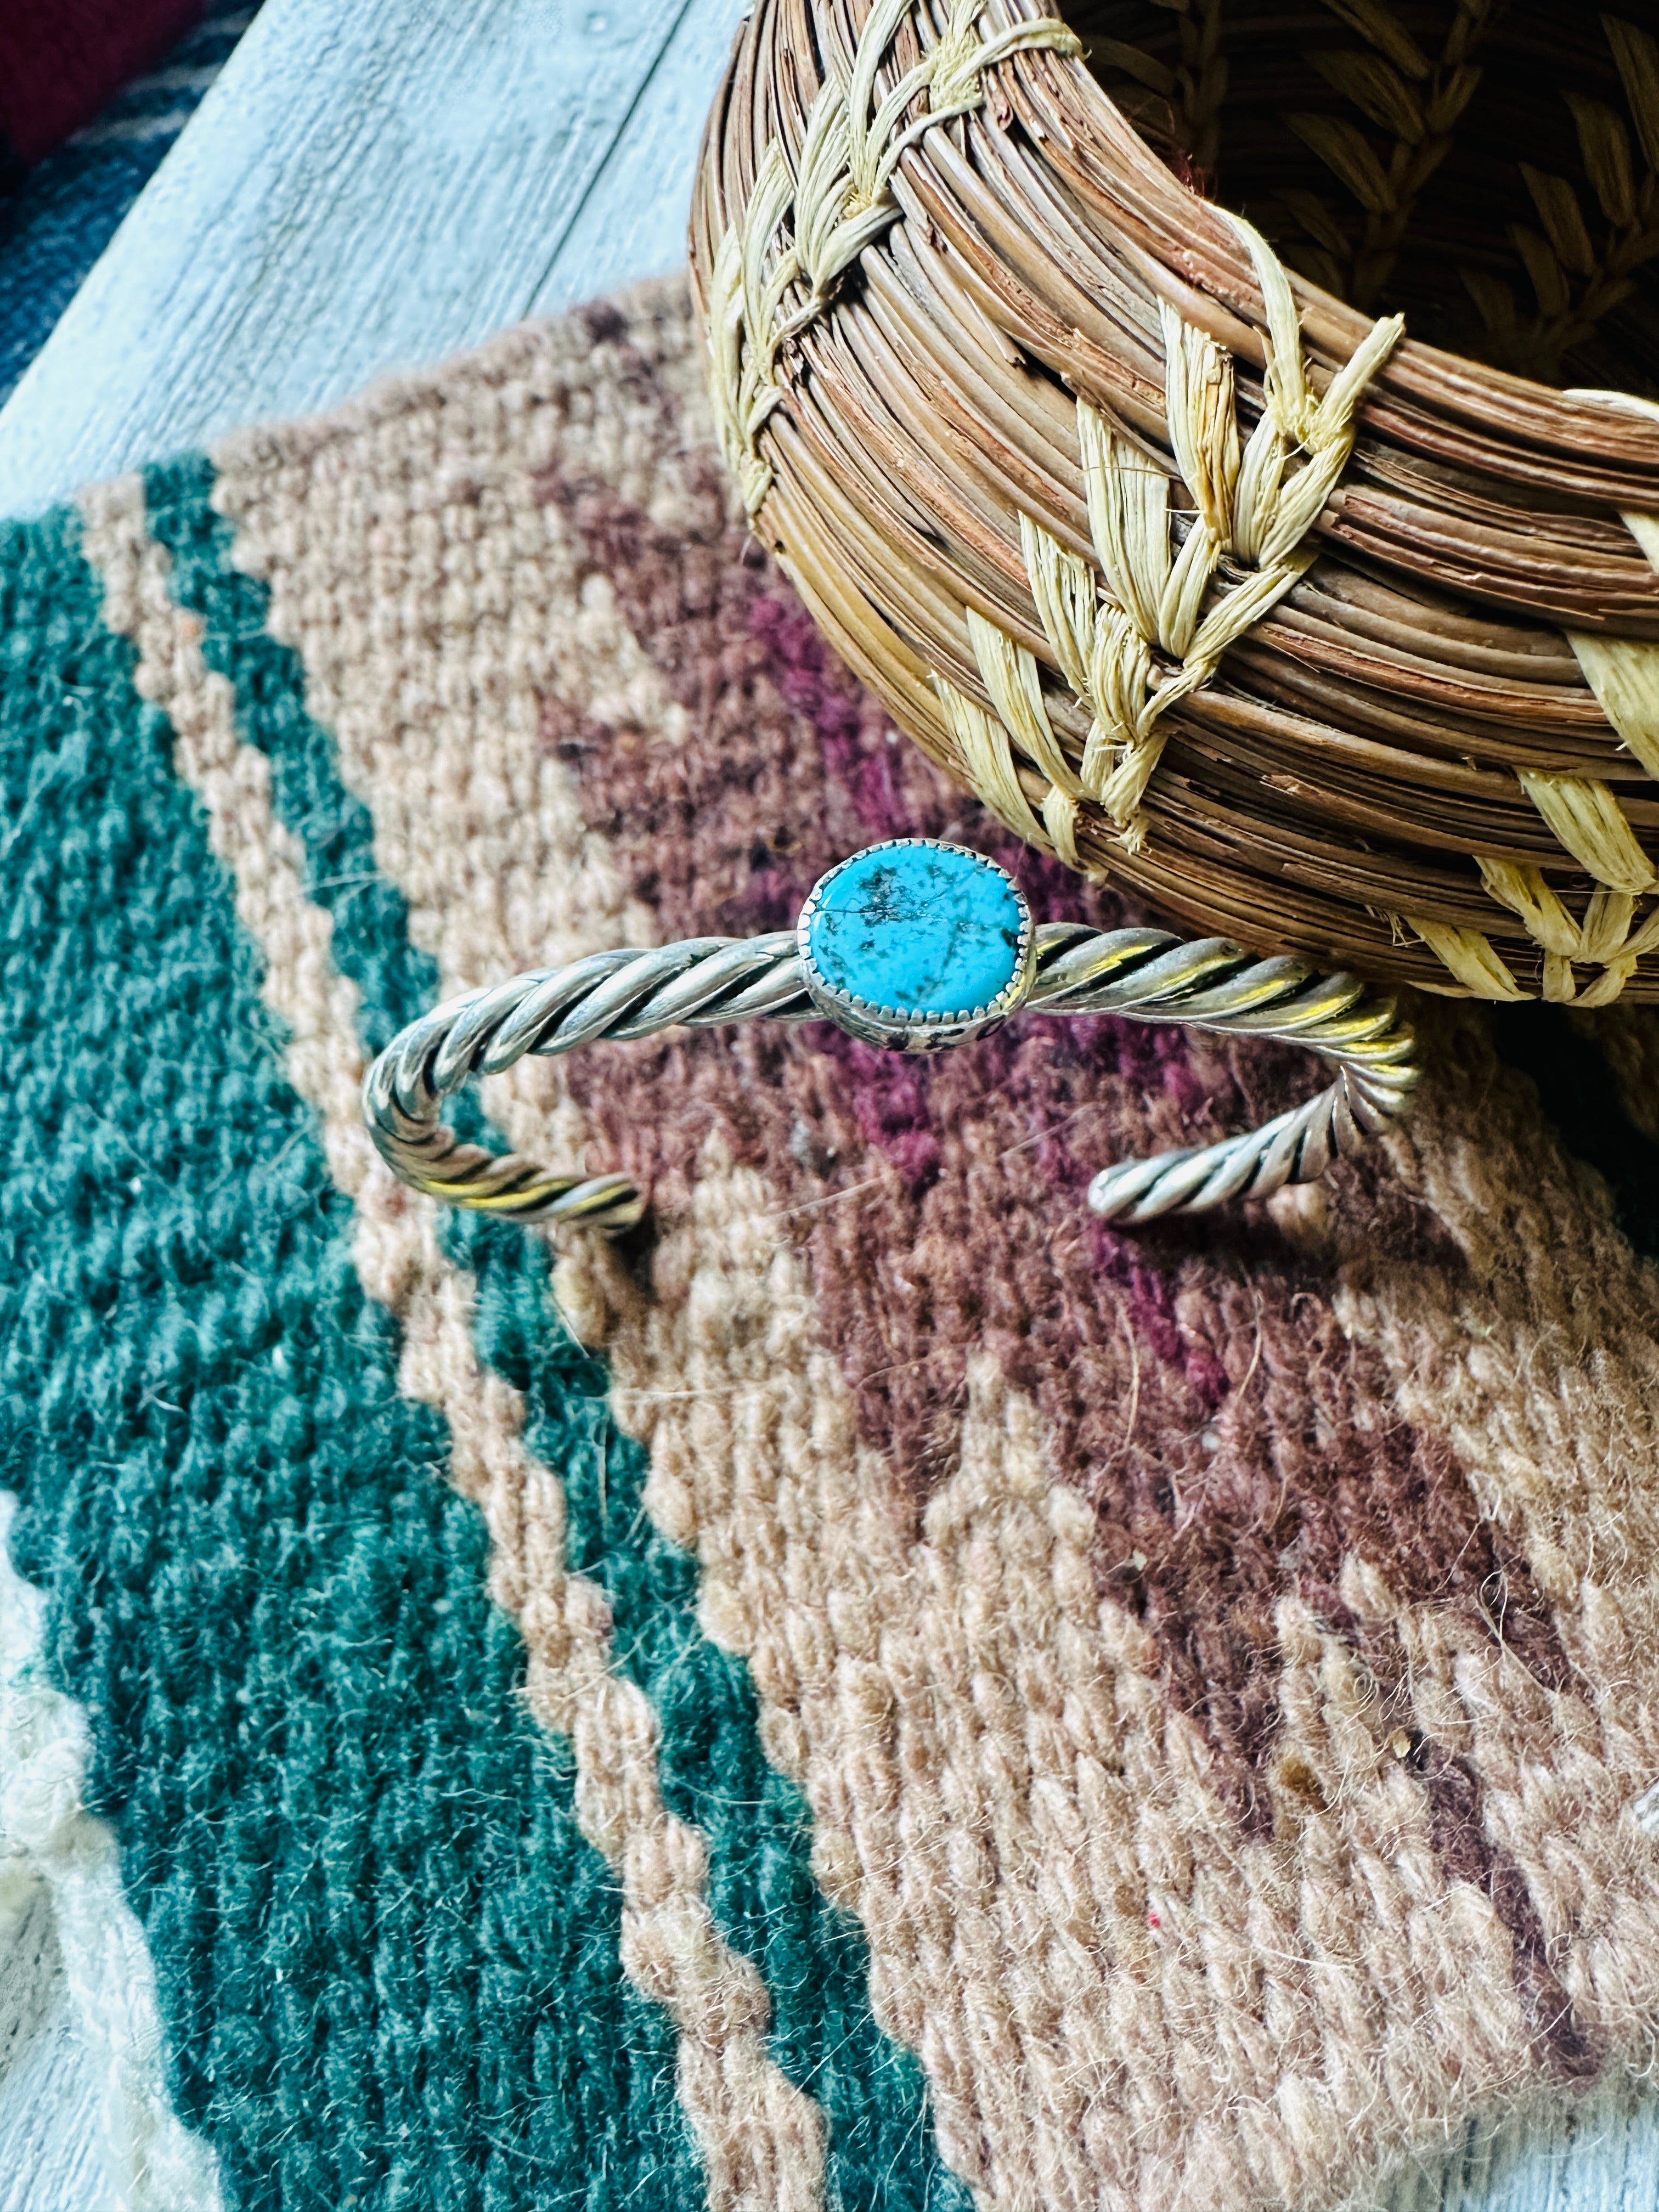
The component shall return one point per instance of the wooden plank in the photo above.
(363, 188)
(633, 224)
(49, 2115)
(1600, 2153)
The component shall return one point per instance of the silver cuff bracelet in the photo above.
(914, 946)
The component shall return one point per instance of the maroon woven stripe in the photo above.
(1195, 1381)
(60, 60)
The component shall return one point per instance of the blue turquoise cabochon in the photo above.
(922, 927)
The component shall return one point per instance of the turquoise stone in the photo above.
(924, 928)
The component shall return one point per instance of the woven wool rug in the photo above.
(81, 134)
(876, 1691)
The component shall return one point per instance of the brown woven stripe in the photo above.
(1195, 1385)
(1203, 1764)
(1540, 1355)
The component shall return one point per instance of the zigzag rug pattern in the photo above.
(879, 1692)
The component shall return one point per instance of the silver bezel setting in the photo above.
(902, 1029)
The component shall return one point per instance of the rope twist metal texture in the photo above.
(1146, 975)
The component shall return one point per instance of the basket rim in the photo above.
(1490, 506)
(1417, 369)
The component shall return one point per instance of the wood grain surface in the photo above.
(49, 2135)
(369, 188)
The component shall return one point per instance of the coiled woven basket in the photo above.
(1202, 575)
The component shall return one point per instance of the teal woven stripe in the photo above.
(883, 2154)
(387, 1961)
(882, 2150)
(371, 919)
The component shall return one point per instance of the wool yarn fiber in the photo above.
(879, 1692)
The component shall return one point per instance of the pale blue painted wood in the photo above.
(49, 2120)
(1599, 2153)
(633, 224)
(373, 186)
(366, 188)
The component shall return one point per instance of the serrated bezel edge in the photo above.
(833, 1002)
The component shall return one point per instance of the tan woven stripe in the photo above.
(760, 2137)
(1117, 1998)
(1539, 1357)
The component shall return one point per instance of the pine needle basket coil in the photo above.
(1308, 633)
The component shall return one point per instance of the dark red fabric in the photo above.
(60, 60)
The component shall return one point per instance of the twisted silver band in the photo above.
(1144, 973)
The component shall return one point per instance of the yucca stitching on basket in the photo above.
(1040, 253)
(1384, 85)
(1247, 507)
(1623, 674)
(1587, 820)
(1590, 814)
(839, 201)
(1584, 815)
